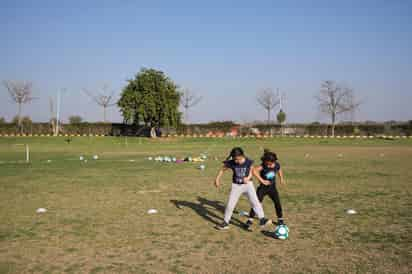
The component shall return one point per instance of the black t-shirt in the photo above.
(239, 171)
(270, 173)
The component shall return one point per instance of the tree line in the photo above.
(153, 99)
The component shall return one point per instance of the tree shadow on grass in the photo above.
(211, 211)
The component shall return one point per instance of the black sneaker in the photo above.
(222, 226)
(248, 225)
(280, 222)
(264, 222)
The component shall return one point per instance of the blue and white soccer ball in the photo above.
(282, 232)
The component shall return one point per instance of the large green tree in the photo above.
(151, 98)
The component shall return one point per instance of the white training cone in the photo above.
(41, 210)
(351, 211)
(152, 211)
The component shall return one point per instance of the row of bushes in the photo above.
(46, 128)
(224, 127)
(228, 127)
(84, 128)
(301, 129)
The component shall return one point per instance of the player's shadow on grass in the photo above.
(270, 234)
(211, 211)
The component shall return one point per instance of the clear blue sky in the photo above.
(223, 50)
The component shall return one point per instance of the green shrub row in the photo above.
(46, 128)
(116, 129)
(301, 129)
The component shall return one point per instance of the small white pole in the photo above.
(27, 154)
(57, 114)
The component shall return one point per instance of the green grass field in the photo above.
(97, 219)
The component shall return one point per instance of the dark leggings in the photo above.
(270, 190)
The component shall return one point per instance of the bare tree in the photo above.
(334, 100)
(268, 100)
(352, 112)
(21, 93)
(189, 100)
(104, 99)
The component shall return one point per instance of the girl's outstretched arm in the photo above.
(256, 172)
(219, 175)
(281, 178)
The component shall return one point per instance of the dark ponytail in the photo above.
(268, 156)
(235, 152)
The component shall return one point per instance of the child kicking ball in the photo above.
(242, 183)
(266, 173)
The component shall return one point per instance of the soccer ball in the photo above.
(95, 157)
(282, 232)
